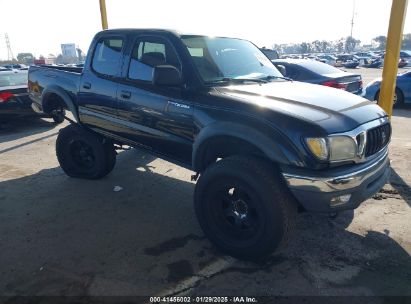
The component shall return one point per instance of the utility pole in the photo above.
(352, 26)
(10, 56)
(352, 19)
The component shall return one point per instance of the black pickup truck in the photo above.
(262, 146)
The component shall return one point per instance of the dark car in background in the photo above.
(271, 54)
(16, 66)
(14, 98)
(315, 72)
(347, 60)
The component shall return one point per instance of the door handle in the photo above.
(87, 85)
(125, 94)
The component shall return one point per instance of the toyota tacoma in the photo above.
(262, 146)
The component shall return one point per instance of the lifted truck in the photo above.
(262, 146)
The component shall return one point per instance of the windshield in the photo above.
(218, 59)
(12, 79)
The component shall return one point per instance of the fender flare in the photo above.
(64, 96)
(270, 146)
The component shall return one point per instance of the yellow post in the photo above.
(392, 54)
(103, 13)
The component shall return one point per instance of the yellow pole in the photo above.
(103, 13)
(392, 54)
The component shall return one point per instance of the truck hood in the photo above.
(332, 109)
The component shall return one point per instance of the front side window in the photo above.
(148, 53)
(107, 56)
(220, 58)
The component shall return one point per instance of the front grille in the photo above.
(377, 138)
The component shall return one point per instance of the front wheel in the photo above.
(83, 154)
(398, 98)
(244, 207)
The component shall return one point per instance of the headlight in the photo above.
(342, 148)
(332, 148)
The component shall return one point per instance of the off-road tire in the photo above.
(99, 155)
(258, 181)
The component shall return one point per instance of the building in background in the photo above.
(68, 50)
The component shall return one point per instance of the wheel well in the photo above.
(220, 147)
(223, 146)
(400, 91)
(52, 102)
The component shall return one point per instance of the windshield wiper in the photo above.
(239, 80)
(271, 77)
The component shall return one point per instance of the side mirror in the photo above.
(282, 69)
(167, 75)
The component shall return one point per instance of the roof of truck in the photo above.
(156, 30)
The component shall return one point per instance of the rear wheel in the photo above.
(83, 154)
(244, 207)
(58, 116)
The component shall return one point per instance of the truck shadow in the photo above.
(25, 126)
(400, 186)
(62, 236)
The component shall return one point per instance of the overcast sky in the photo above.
(41, 26)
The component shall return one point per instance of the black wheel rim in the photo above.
(82, 154)
(234, 212)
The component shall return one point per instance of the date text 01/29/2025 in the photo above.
(175, 299)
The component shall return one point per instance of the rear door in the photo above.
(157, 117)
(99, 83)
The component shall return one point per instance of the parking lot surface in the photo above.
(63, 236)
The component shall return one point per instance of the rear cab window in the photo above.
(107, 56)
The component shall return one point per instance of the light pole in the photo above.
(103, 13)
(392, 54)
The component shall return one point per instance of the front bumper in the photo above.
(315, 191)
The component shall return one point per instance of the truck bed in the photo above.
(64, 68)
(64, 79)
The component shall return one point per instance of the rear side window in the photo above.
(107, 56)
(148, 53)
